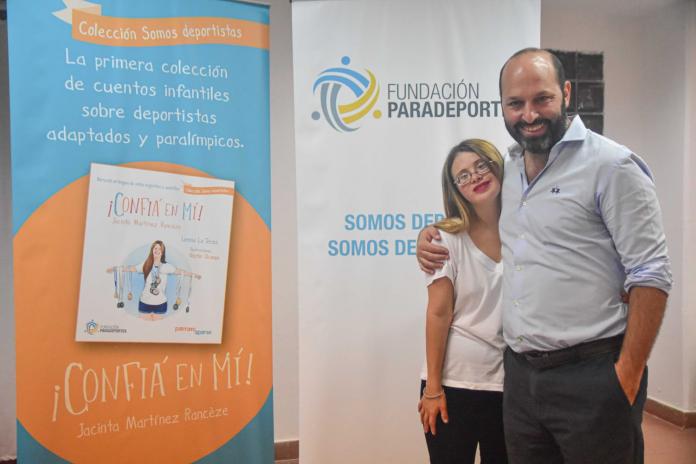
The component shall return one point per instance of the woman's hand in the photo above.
(429, 408)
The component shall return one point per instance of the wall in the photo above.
(7, 358)
(663, 116)
(284, 212)
(689, 178)
(645, 109)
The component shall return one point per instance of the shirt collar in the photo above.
(576, 131)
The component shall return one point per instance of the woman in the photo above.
(462, 382)
(155, 269)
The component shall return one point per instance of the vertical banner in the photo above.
(383, 90)
(141, 221)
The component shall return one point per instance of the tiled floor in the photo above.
(666, 443)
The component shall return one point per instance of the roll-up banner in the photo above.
(142, 231)
(383, 90)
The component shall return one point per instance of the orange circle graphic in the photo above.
(135, 402)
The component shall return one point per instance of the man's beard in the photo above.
(541, 145)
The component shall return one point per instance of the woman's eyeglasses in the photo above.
(480, 168)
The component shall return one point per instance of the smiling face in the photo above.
(158, 252)
(482, 188)
(534, 104)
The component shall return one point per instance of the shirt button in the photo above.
(524, 203)
(519, 339)
(522, 236)
(519, 268)
(515, 303)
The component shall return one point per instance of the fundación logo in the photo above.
(92, 327)
(346, 96)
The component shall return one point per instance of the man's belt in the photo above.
(572, 354)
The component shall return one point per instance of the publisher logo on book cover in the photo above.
(346, 96)
(92, 328)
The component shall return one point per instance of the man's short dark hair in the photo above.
(557, 66)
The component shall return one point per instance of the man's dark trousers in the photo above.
(572, 413)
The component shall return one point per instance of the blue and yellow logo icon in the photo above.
(92, 327)
(346, 96)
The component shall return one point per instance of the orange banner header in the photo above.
(191, 190)
(154, 32)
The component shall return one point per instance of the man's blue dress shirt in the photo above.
(586, 228)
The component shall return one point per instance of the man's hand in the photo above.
(630, 383)
(646, 309)
(430, 256)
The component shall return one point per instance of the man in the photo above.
(580, 223)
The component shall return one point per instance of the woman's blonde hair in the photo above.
(458, 211)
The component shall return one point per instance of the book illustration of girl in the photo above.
(155, 269)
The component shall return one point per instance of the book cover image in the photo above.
(154, 265)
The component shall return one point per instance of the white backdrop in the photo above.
(365, 190)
